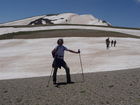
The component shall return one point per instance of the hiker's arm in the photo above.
(74, 51)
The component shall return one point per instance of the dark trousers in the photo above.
(67, 73)
(107, 46)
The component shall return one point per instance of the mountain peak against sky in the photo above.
(64, 18)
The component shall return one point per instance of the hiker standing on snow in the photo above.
(107, 43)
(58, 55)
(112, 43)
(115, 43)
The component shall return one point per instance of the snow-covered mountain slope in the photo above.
(22, 58)
(21, 22)
(65, 18)
(6, 30)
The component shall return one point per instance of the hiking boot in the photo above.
(54, 82)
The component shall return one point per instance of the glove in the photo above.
(78, 50)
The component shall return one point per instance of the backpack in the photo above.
(54, 52)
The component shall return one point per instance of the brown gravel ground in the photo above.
(103, 88)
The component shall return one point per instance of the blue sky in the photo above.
(124, 13)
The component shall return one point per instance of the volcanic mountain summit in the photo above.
(65, 18)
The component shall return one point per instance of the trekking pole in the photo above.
(81, 65)
(50, 77)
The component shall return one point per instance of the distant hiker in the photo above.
(58, 55)
(115, 42)
(107, 43)
(66, 20)
(112, 43)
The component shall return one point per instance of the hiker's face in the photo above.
(60, 42)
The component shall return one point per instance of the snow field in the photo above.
(24, 58)
(13, 30)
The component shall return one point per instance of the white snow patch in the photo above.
(24, 29)
(32, 58)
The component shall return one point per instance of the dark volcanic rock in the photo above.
(40, 22)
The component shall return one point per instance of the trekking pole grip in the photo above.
(78, 50)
